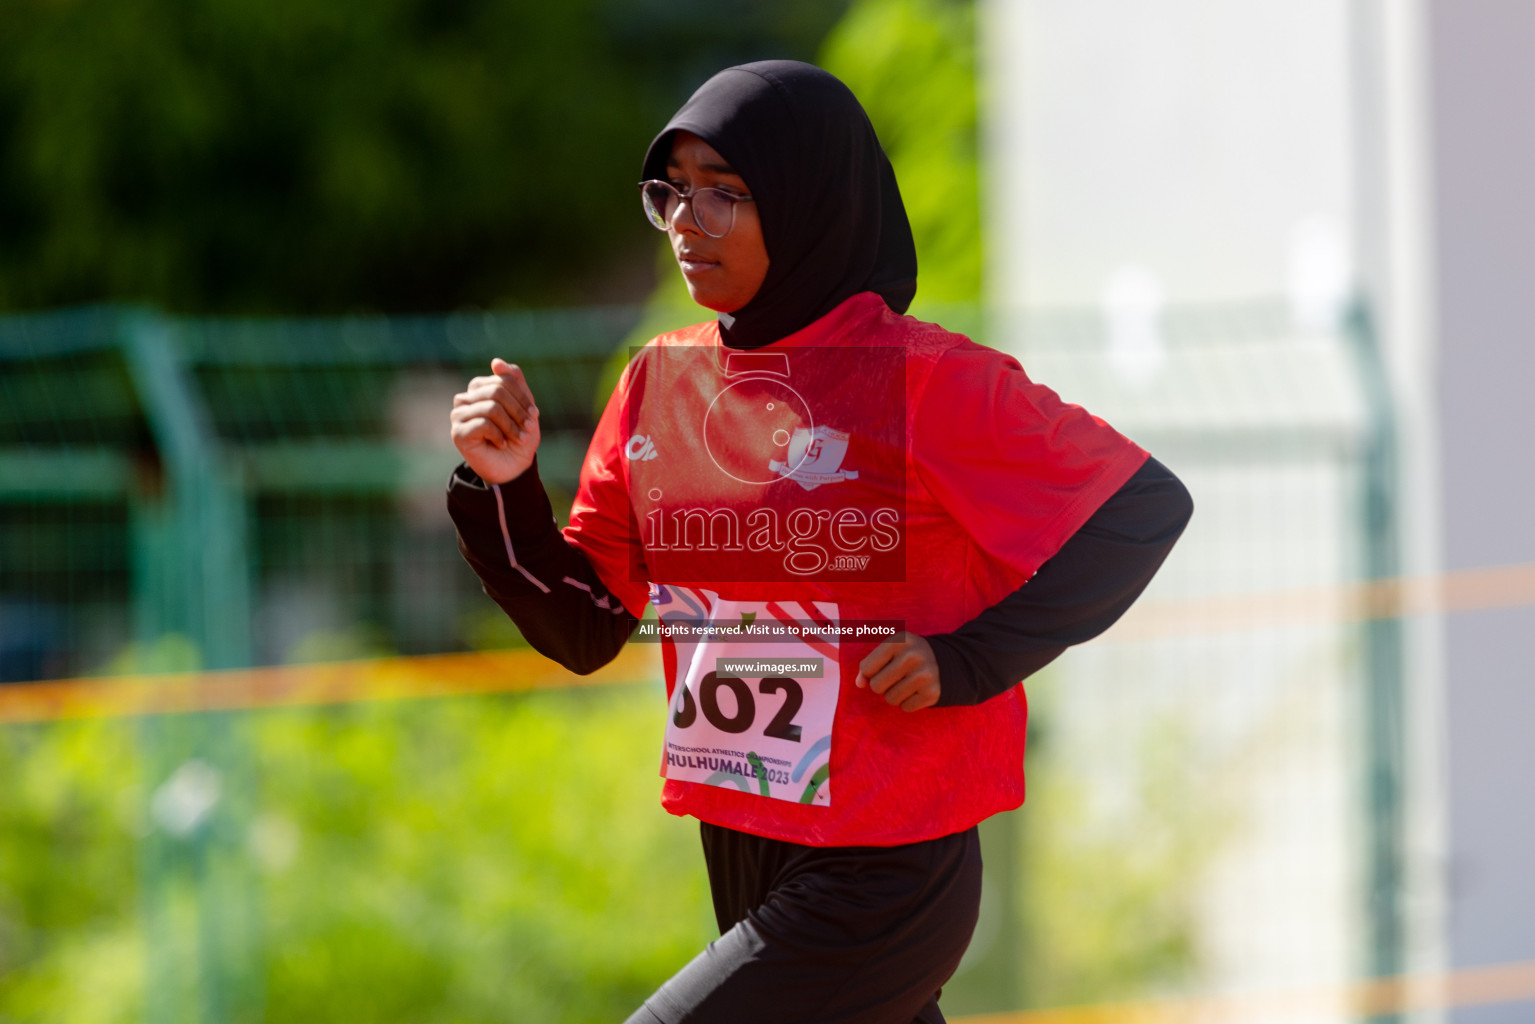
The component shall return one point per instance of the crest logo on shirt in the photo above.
(815, 457)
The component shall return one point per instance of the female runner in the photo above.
(860, 498)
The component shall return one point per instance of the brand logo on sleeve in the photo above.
(640, 448)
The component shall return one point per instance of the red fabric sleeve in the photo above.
(601, 518)
(1020, 469)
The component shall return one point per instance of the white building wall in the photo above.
(1146, 157)
(1195, 138)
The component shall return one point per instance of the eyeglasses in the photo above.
(714, 210)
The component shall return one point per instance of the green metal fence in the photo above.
(181, 494)
(194, 477)
(1228, 788)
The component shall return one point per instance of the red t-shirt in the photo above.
(785, 508)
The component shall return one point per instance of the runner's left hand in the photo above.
(903, 671)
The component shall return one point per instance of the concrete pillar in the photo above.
(1482, 164)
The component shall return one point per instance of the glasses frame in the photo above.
(687, 197)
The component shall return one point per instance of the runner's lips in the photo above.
(692, 264)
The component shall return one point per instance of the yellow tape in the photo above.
(443, 675)
(439, 675)
(1481, 986)
(1506, 586)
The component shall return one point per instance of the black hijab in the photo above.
(832, 218)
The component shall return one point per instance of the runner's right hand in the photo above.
(495, 424)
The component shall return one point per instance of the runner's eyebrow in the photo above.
(721, 168)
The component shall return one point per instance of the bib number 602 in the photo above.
(782, 726)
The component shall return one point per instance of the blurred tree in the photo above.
(912, 65)
(70, 942)
(489, 859)
(1111, 894)
(496, 859)
(388, 155)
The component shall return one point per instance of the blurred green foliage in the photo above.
(388, 155)
(1110, 891)
(71, 948)
(487, 859)
(912, 65)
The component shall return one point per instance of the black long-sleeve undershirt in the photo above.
(508, 535)
(1079, 593)
(547, 586)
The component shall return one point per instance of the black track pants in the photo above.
(817, 935)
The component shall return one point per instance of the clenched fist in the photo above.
(903, 671)
(495, 424)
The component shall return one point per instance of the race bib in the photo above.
(749, 712)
